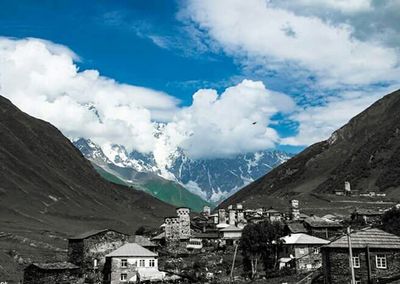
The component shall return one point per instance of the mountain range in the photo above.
(211, 179)
(364, 152)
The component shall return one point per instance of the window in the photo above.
(356, 261)
(141, 263)
(123, 277)
(301, 251)
(316, 250)
(381, 261)
(124, 263)
(358, 281)
(151, 263)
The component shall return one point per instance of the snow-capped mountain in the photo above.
(211, 179)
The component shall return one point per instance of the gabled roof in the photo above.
(91, 233)
(131, 250)
(143, 241)
(159, 236)
(303, 239)
(231, 228)
(296, 227)
(374, 238)
(317, 222)
(55, 266)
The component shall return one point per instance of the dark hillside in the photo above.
(366, 152)
(48, 191)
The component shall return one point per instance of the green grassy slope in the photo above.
(165, 190)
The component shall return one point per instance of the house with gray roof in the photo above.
(131, 263)
(376, 257)
(301, 251)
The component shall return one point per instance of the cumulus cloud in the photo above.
(237, 121)
(317, 123)
(43, 80)
(275, 38)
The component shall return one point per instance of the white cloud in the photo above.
(317, 123)
(42, 79)
(276, 38)
(345, 6)
(237, 121)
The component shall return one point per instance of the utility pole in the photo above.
(353, 278)
(233, 263)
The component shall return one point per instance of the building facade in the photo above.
(131, 263)
(301, 251)
(376, 258)
(88, 250)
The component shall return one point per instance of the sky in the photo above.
(222, 77)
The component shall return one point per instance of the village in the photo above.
(210, 247)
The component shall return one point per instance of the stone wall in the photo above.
(336, 265)
(113, 270)
(34, 275)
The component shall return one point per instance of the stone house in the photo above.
(50, 273)
(88, 250)
(367, 216)
(376, 257)
(131, 263)
(301, 251)
(273, 215)
(145, 242)
(323, 228)
(231, 234)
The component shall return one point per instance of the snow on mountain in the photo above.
(211, 179)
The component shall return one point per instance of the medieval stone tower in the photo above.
(172, 228)
(240, 213)
(184, 222)
(221, 216)
(294, 210)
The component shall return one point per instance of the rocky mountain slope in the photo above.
(48, 191)
(212, 179)
(365, 152)
(139, 174)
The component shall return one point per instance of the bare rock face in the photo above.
(365, 152)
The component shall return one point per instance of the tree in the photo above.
(259, 243)
(391, 221)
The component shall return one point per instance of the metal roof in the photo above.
(296, 227)
(131, 250)
(303, 239)
(374, 238)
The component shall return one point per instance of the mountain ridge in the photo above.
(364, 152)
(211, 179)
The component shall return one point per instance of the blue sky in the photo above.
(320, 63)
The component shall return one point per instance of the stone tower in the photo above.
(172, 228)
(294, 210)
(240, 213)
(184, 222)
(232, 216)
(206, 210)
(221, 216)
